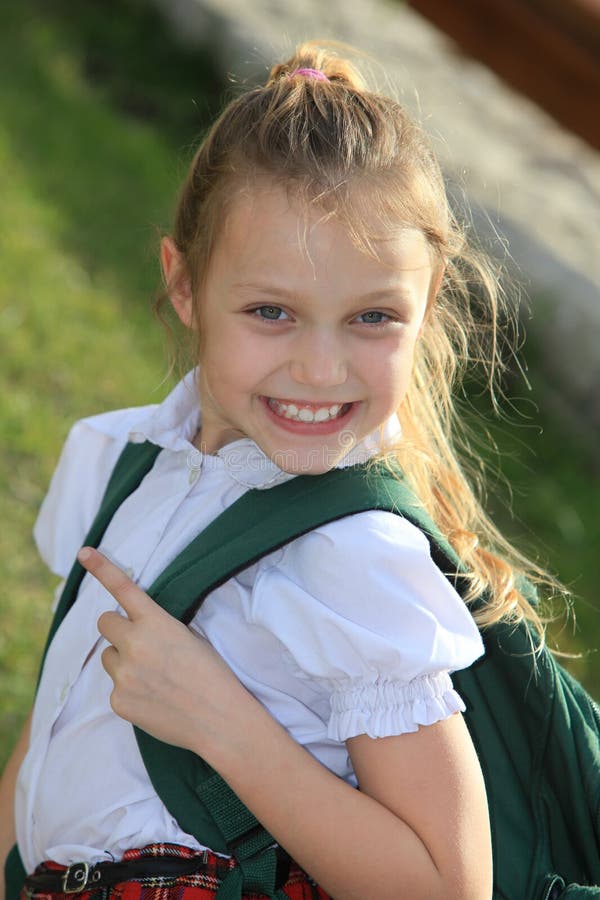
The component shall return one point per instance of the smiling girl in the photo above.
(300, 340)
(316, 263)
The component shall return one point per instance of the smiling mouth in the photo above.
(300, 412)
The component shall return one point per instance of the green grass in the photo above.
(89, 170)
(98, 112)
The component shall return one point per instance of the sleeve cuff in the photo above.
(384, 708)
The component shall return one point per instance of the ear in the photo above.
(177, 280)
(436, 283)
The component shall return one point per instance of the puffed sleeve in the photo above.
(362, 611)
(88, 457)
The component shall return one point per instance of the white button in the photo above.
(193, 462)
(130, 573)
(64, 691)
(194, 458)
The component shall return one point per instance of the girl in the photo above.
(323, 280)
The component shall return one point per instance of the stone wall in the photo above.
(533, 188)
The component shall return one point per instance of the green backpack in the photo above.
(536, 731)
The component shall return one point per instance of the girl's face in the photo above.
(307, 343)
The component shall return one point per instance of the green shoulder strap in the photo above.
(134, 463)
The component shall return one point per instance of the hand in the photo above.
(167, 680)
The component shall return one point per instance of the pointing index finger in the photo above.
(133, 600)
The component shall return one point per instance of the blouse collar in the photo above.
(173, 424)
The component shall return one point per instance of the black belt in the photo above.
(84, 876)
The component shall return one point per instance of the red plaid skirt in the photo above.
(199, 886)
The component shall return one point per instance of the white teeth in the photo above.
(303, 414)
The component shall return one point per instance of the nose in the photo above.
(319, 359)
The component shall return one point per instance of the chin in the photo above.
(294, 463)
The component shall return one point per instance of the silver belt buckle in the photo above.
(75, 878)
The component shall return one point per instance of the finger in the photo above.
(113, 626)
(110, 658)
(133, 600)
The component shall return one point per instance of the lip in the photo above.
(331, 426)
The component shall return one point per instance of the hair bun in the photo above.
(322, 57)
(309, 73)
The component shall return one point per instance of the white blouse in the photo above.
(349, 629)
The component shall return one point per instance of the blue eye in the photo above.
(374, 317)
(272, 313)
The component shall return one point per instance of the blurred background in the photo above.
(101, 105)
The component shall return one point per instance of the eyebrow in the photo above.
(396, 293)
(378, 296)
(269, 290)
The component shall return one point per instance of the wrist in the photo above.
(226, 727)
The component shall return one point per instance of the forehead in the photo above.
(269, 223)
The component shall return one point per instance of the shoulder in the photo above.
(370, 577)
(86, 461)
(372, 551)
(361, 609)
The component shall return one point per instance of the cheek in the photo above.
(390, 373)
(230, 365)
(393, 362)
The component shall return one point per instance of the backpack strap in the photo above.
(262, 521)
(134, 463)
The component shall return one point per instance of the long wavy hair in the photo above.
(358, 155)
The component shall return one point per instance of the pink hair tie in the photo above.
(310, 73)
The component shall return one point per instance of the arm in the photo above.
(7, 799)
(417, 829)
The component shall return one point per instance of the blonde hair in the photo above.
(354, 152)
